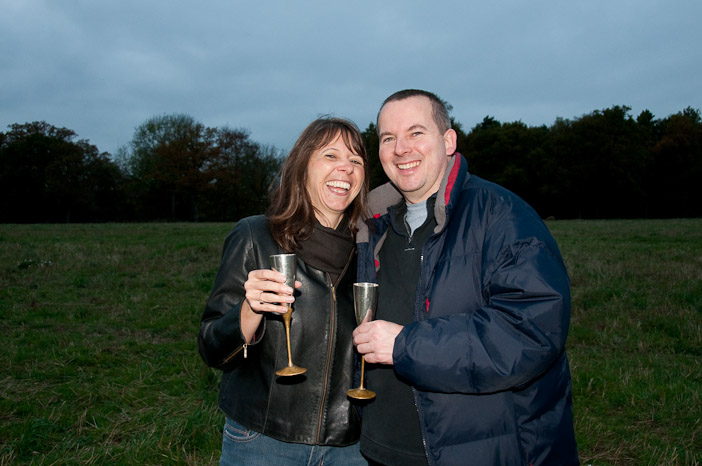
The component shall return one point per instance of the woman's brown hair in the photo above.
(291, 215)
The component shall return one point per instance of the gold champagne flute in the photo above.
(285, 263)
(365, 300)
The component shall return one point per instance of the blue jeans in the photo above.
(241, 446)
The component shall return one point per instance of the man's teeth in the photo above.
(405, 166)
(339, 184)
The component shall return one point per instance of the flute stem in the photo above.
(286, 320)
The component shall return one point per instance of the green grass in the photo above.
(636, 339)
(99, 325)
(99, 359)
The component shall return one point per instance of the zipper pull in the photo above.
(246, 345)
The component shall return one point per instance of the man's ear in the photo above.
(450, 138)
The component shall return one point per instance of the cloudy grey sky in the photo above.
(102, 67)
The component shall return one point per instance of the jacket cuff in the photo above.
(259, 333)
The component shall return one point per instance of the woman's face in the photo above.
(334, 179)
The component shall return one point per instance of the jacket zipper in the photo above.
(417, 312)
(331, 344)
(329, 357)
(410, 246)
(236, 351)
(417, 299)
(244, 347)
(421, 426)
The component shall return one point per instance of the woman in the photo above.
(305, 419)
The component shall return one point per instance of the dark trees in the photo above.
(375, 169)
(242, 172)
(181, 170)
(166, 161)
(605, 164)
(510, 154)
(46, 176)
(675, 173)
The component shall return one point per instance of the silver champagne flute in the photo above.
(365, 300)
(285, 263)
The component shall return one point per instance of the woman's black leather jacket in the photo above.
(311, 408)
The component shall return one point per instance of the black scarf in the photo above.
(327, 249)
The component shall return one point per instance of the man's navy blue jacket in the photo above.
(486, 353)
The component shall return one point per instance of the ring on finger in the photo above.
(260, 300)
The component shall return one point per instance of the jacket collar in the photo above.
(387, 195)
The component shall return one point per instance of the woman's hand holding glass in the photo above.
(266, 291)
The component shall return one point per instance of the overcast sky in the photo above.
(103, 67)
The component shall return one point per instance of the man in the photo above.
(473, 310)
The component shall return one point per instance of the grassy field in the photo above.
(99, 359)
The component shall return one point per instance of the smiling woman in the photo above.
(313, 214)
(334, 178)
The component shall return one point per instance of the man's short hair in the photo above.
(439, 110)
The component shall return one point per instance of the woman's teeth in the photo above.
(339, 184)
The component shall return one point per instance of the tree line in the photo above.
(605, 164)
(173, 169)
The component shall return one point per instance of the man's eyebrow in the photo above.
(410, 129)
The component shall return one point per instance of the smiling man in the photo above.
(414, 150)
(467, 351)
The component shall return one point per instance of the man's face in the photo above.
(413, 151)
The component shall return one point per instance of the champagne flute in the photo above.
(285, 263)
(365, 300)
